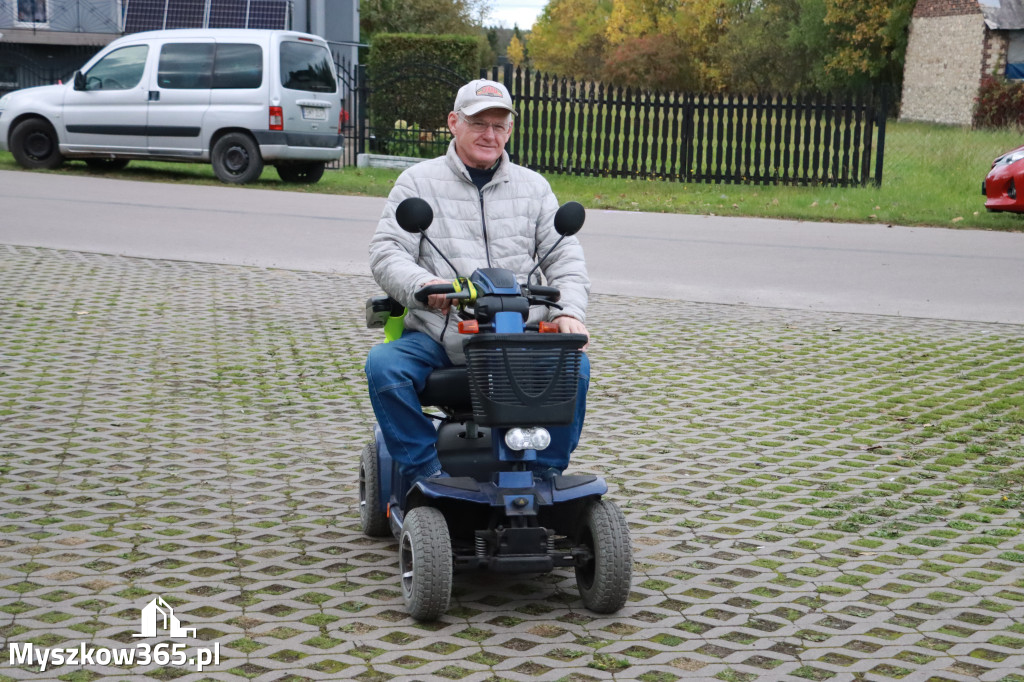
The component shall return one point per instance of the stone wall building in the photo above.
(953, 45)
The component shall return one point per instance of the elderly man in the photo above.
(488, 212)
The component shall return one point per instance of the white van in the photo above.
(235, 98)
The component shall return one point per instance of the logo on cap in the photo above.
(490, 91)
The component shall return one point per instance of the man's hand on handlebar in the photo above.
(438, 301)
(570, 325)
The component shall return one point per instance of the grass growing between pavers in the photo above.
(809, 494)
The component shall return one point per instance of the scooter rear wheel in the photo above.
(605, 580)
(371, 514)
(425, 560)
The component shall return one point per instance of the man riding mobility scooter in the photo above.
(493, 512)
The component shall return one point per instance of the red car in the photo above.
(1000, 185)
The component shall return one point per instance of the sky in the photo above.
(508, 13)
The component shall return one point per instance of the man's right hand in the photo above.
(438, 301)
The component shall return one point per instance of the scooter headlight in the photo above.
(533, 438)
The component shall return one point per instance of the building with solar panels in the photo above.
(44, 41)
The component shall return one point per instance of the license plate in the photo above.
(314, 113)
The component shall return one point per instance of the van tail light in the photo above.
(276, 118)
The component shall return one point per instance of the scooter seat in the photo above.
(448, 388)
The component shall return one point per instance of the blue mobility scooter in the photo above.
(493, 513)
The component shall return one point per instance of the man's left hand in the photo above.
(570, 325)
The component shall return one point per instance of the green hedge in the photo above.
(414, 79)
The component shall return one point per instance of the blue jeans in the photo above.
(396, 372)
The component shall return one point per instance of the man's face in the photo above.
(480, 139)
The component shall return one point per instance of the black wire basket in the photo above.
(524, 379)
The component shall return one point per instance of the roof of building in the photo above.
(1003, 14)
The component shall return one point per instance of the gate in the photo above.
(383, 121)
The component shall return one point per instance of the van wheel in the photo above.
(236, 159)
(307, 173)
(106, 164)
(34, 145)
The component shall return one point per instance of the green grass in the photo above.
(932, 177)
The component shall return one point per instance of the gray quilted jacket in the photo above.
(507, 224)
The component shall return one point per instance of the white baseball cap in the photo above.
(476, 96)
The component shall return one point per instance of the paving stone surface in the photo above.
(810, 496)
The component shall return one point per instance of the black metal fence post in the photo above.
(882, 114)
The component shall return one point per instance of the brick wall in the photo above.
(944, 65)
(945, 8)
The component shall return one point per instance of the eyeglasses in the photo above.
(482, 126)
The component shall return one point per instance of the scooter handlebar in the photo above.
(550, 293)
(423, 293)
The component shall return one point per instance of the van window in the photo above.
(307, 67)
(120, 70)
(185, 66)
(238, 66)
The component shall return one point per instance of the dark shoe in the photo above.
(440, 473)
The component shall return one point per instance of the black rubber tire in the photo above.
(605, 581)
(375, 522)
(34, 145)
(103, 165)
(236, 159)
(425, 562)
(304, 173)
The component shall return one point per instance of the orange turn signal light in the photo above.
(547, 328)
(469, 327)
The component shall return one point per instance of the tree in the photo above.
(516, 52)
(870, 40)
(432, 17)
(569, 38)
(655, 61)
(632, 19)
(774, 46)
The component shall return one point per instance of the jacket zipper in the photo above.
(483, 222)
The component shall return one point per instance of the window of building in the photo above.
(32, 12)
(1015, 55)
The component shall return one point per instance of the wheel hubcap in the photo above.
(407, 564)
(38, 145)
(236, 160)
(362, 489)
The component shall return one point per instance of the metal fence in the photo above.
(594, 129)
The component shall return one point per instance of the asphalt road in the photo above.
(915, 272)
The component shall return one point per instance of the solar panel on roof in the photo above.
(185, 13)
(228, 13)
(148, 15)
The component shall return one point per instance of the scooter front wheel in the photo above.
(425, 559)
(371, 508)
(605, 579)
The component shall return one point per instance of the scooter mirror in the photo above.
(414, 215)
(569, 218)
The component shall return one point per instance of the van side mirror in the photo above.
(79, 80)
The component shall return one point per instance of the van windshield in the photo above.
(307, 67)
